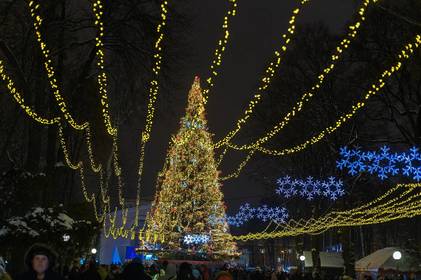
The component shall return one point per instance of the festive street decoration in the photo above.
(382, 163)
(403, 55)
(270, 71)
(403, 201)
(263, 213)
(196, 239)
(310, 188)
(188, 191)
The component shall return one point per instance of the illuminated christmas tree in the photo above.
(188, 209)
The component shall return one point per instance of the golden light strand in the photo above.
(97, 8)
(343, 45)
(236, 173)
(375, 88)
(405, 205)
(102, 81)
(220, 49)
(153, 93)
(21, 101)
(50, 71)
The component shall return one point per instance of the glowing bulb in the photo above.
(302, 258)
(93, 251)
(397, 255)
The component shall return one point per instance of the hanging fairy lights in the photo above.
(97, 8)
(310, 188)
(382, 163)
(33, 6)
(102, 81)
(262, 213)
(237, 172)
(21, 101)
(220, 49)
(402, 201)
(196, 239)
(153, 93)
(406, 52)
(343, 45)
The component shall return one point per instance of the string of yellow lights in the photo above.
(97, 168)
(237, 172)
(33, 6)
(17, 96)
(97, 8)
(335, 57)
(153, 93)
(375, 88)
(102, 81)
(220, 49)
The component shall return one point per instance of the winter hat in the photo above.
(40, 249)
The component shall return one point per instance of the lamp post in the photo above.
(303, 265)
(262, 251)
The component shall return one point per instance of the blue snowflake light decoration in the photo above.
(263, 213)
(196, 239)
(382, 163)
(310, 188)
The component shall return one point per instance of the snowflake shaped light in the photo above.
(310, 188)
(382, 163)
(263, 213)
(196, 239)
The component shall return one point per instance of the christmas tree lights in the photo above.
(188, 199)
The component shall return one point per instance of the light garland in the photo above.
(21, 101)
(263, 213)
(96, 168)
(50, 71)
(102, 76)
(344, 44)
(403, 201)
(310, 188)
(196, 239)
(404, 54)
(102, 81)
(383, 163)
(220, 49)
(237, 172)
(153, 93)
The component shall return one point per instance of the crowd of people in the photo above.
(40, 262)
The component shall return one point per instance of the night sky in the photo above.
(255, 34)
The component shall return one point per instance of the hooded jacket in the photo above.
(39, 249)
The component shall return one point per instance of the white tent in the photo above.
(327, 259)
(383, 259)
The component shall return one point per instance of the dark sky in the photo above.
(255, 34)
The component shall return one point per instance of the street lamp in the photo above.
(93, 251)
(397, 255)
(303, 264)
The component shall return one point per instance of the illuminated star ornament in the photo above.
(382, 163)
(310, 188)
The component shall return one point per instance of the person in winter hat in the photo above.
(40, 261)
